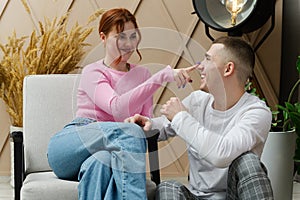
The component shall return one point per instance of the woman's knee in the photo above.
(133, 130)
(95, 162)
(134, 139)
(118, 136)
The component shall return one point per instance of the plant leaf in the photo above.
(282, 108)
(290, 107)
(297, 106)
(295, 117)
(298, 64)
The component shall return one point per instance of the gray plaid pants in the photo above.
(247, 179)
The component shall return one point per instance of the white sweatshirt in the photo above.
(215, 138)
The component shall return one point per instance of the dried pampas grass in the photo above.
(53, 51)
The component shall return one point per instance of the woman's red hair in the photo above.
(117, 17)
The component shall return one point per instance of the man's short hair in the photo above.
(242, 54)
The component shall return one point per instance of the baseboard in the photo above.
(4, 179)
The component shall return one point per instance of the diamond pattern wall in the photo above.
(171, 35)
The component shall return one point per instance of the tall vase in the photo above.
(12, 167)
(277, 156)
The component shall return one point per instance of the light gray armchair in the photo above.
(49, 104)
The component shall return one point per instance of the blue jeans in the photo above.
(108, 158)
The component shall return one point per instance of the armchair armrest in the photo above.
(152, 137)
(17, 138)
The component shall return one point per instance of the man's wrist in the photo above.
(149, 119)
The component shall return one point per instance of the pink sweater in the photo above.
(105, 94)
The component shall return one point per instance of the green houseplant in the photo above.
(291, 115)
(280, 150)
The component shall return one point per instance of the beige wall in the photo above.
(4, 142)
(171, 35)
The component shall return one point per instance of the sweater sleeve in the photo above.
(162, 124)
(99, 89)
(221, 149)
(148, 108)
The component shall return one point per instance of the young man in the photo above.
(224, 129)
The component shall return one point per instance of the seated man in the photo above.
(225, 129)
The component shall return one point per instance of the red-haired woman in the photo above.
(97, 148)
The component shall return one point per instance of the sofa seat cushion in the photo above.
(46, 186)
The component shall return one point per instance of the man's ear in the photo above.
(229, 68)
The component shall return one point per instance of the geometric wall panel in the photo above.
(171, 36)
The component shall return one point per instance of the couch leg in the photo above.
(18, 162)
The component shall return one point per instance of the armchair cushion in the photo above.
(46, 186)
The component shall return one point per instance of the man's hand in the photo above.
(182, 76)
(172, 107)
(140, 120)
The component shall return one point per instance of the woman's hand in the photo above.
(182, 76)
(140, 120)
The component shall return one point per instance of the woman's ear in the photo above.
(102, 37)
(229, 68)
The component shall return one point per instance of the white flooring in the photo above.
(7, 192)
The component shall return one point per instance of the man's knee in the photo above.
(169, 184)
(247, 179)
(247, 164)
(169, 190)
